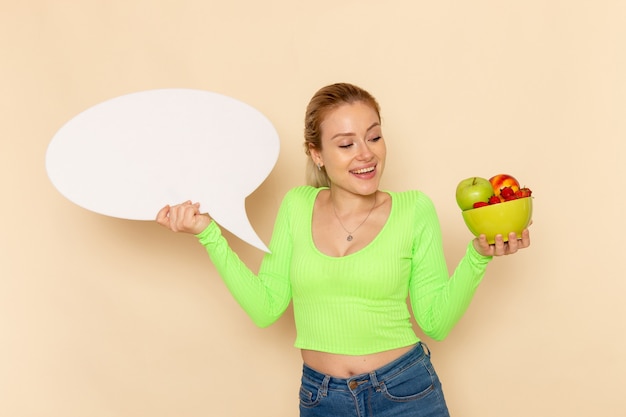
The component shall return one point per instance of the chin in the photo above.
(368, 189)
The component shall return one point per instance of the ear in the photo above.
(316, 155)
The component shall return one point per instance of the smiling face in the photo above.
(353, 150)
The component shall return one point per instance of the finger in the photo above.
(499, 246)
(512, 244)
(189, 214)
(525, 241)
(481, 246)
(177, 217)
(172, 217)
(162, 216)
(486, 248)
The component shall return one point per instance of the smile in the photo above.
(363, 170)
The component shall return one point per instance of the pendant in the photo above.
(349, 238)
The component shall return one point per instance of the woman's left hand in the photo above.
(500, 247)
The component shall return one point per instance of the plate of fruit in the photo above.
(495, 206)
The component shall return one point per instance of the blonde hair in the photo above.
(323, 101)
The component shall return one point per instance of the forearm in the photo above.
(441, 302)
(264, 297)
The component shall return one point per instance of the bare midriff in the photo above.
(346, 366)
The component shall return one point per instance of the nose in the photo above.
(365, 153)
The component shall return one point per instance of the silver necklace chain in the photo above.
(350, 237)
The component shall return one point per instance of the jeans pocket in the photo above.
(412, 383)
(310, 394)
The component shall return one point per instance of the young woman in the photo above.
(347, 255)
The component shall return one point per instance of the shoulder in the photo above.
(299, 198)
(414, 207)
(303, 190)
(303, 193)
(412, 199)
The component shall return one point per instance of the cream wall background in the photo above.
(105, 317)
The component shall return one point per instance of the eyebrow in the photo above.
(354, 134)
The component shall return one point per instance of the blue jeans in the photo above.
(406, 387)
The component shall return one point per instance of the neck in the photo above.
(344, 202)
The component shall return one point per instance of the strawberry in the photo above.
(494, 199)
(507, 194)
(523, 192)
(480, 204)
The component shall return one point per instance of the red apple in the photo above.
(472, 190)
(500, 181)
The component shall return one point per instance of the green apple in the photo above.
(473, 190)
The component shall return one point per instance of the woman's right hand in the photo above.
(185, 217)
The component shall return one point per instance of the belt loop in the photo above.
(324, 387)
(374, 380)
(425, 349)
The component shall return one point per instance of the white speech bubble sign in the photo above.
(130, 156)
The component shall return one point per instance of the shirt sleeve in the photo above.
(265, 296)
(438, 299)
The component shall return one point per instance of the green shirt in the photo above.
(355, 304)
